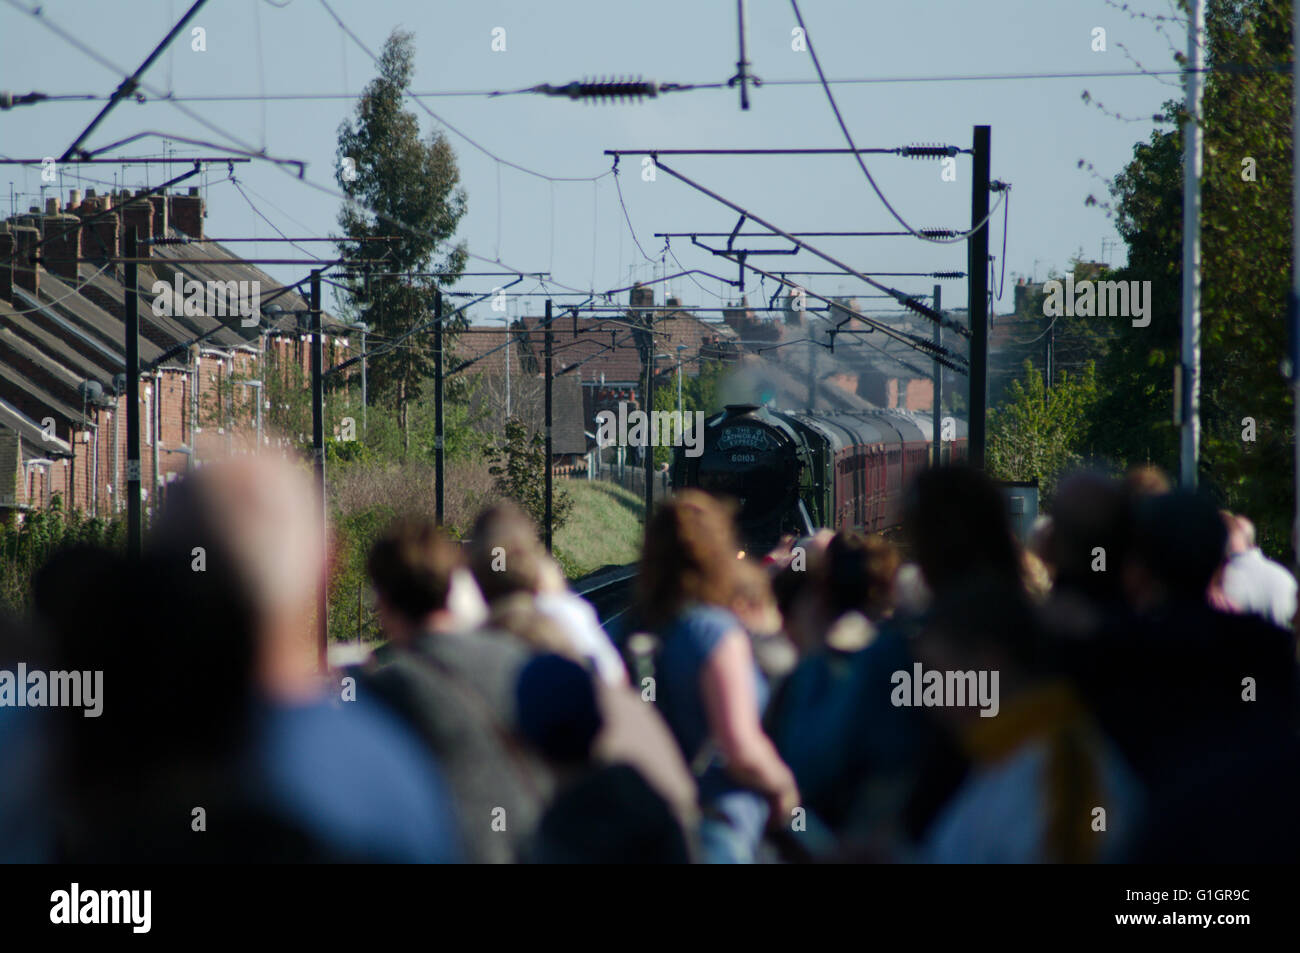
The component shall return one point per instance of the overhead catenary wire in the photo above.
(473, 142)
(1229, 69)
(848, 136)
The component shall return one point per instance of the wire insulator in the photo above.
(927, 152)
(939, 232)
(616, 89)
(948, 274)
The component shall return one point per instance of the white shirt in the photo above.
(1260, 586)
(578, 619)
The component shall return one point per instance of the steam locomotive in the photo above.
(793, 472)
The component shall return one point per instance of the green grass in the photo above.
(603, 529)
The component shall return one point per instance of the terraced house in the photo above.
(62, 350)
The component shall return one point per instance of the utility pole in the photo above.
(646, 456)
(680, 348)
(1190, 439)
(318, 456)
(977, 271)
(938, 385)
(1294, 308)
(1048, 344)
(742, 65)
(364, 329)
(438, 460)
(130, 304)
(549, 385)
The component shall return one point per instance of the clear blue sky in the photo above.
(1041, 128)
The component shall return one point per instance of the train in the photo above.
(795, 472)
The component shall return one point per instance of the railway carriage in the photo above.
(792, 472)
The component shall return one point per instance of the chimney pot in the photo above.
(74, 198)
(52, 205)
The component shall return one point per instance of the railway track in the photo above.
(609, 590)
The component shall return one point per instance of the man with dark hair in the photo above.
(955, 520)
(455, 685)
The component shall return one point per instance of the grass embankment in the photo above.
(604, 527)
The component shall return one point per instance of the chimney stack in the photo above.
(26, 274)
(100, 239)
(642, 297)
(187, 214)
(159, 203)
(139, 214)
(7, 246)
(62, 245)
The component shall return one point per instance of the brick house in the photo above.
(62, 351)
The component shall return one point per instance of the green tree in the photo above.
(407, 188)
(1041, 433)
(1246, 256)
(698, 393)
(518, 465)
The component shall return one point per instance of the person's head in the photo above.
(1247, 530)
(415, 571)
(557, 708)
(1178, 545)
(753, 602)
(1236, 536)
(857, 575)
(985, 625)
(1146, 480)
(955, 521)
(253, 525)
(689, 556)
(517, 615)
(1091, 518)
(505, 554)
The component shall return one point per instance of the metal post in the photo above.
(646, 454)
(1191, 344)
(1294, 309)
(938, 385)
(1051, 340)
(679, 380)
(977, 270)
(549, 384)
(130, 305)
(439, 468)
(363, 381)
(742, 66)
(318, 456)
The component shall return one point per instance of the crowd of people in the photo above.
(1120, 688)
